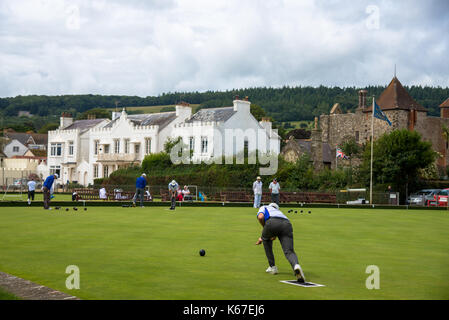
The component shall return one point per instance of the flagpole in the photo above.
(372, 145)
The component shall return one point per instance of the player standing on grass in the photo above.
(31, 189)
(48, 183)
(173, 191)
(276, 224)
(274, 189)
(141, 183)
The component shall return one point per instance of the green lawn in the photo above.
(37, 197)
(152, 253)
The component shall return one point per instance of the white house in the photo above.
(84, 150)
(68, 149)
(128, 138)
(215, 132)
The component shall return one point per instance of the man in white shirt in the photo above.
(173, 191)
(257, 189)
(276, 224)
(274, 189)
(186, 194)
(31, 189)
(103, 194)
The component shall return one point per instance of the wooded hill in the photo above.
(282, 104)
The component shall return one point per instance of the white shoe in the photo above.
(299, 274)
(272, 270)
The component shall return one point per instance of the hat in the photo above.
(144, 175)
(258, 178)
(56, 175)
(274, 205)
(173, 182)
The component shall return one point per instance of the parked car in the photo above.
(426, 194)
(440, 199)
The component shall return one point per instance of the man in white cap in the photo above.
(141, 183)
(276, 224)
(173, 191)
(48, 183)
(257, 189)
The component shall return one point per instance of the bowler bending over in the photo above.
(276, 224)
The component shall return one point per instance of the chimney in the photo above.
(362, 98)
(241, 105)
(266, 124)
(183, 110)
(65, 120)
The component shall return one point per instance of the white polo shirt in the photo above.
(274, 187)
(31, 185)
(257, 187)
(270, 212)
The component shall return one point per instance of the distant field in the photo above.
(152, 252)
(154, 109)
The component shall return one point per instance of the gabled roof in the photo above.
(27, 138)
(160, 119)
(395, 97)
(445, 104)
(83, 125)
(212, 114)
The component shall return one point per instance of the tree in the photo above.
(398, 158)
(351, 149)
(97, 112)
(47, 127)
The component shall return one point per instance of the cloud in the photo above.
(150, 47)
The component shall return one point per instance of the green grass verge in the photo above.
(152, 253)
(7, 296)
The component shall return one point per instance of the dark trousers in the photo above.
(46, 193)
(31, 194)
(283, 230)
(275, 198)
(139, 193)
(173, 199)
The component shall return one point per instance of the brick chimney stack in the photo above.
(362, 98)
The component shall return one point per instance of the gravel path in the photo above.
(28, 290)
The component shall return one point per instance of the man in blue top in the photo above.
(276, 224)
(141, 183)
(173, 191)
(48, 183)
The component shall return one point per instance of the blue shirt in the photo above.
(141, 182)
(49, 182)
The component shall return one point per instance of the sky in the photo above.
(147, 48)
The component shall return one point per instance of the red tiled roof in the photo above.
(396, 97)
(445, 104)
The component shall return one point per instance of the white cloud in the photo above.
(150, 47)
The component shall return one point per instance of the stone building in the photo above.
(401, 109)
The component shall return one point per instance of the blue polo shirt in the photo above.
(49, 182)
(141, 182)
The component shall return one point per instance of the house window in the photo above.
(126, 145)
(56, 149)
(147, 145)
(137, 148)
(15, 149)
(357, 136)
(203, 144)
(192, 143)
(116, 146)
(71, 148)
(55, 169)
(95, 170)
(96, 145)
(105, 171)
(106, 148)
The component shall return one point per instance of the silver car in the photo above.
(425, 195)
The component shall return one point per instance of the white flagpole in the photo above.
(372, 145)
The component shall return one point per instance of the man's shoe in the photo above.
(272, 270)
(299, 274)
